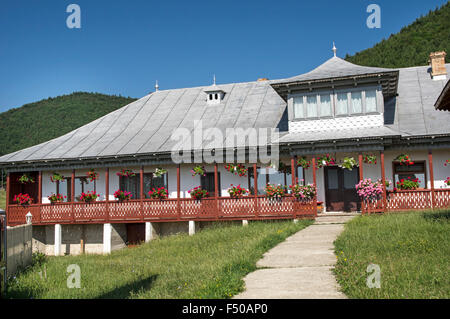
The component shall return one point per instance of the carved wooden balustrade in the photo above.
(166, 210)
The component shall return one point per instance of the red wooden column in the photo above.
(361, 177)
(293, 171)
(430, 164)
(178, 192)
(315, 185)
(40, 188)
(383, 180)
(72, 194)
(255, 186)
(141, 190)
(216, 190)
(8, 190)
(107, 193)
(38, 217)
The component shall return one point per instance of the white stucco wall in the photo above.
(188, 181)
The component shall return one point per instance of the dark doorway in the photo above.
(135, 233)
(207, 182)
(340, 192)
(31, 189)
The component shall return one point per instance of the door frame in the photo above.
(341, 188)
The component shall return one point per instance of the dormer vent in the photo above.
(214, 94)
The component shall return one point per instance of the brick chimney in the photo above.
(263, 79)
(437, 60)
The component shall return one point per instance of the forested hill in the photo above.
(41, 121)
(412, 45)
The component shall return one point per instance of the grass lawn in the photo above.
(210, 264)
(2, 199)
(412, 250)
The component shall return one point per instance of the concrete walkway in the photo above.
(301, 266)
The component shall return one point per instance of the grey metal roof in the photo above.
(145, 126)
(412, 112)
(334, 68)
(443, 101)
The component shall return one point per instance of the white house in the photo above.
(346, 111)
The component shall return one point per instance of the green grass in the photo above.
(2, 199)
(412, 250)
(210, 264)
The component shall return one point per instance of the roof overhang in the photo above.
(387, 80)
(443, 101)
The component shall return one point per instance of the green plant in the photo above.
(126, 173)
(22, 199)
(325, 160)
(26, 179)
(404, 159)
(198, 170)
(237, 169)
(89, 197)
(56, 177)
(122, 196)
(198, 192)
(237, 191)
(370, 159)
(92, 175)
(38, 259)
(274, 191)
(348, 163)
(303, 192)
(407, 184)
(303, 162)
(56, 198)
(158, 193)
(159, 172)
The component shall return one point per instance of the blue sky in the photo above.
(124, 46)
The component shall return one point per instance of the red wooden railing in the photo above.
(207, 209)
(410, 200)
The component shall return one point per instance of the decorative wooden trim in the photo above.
(383, 180)
(430, 166)
(107, 192)
(293, 171)
(40, 188)
(141, 190)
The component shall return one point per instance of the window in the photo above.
(207, 182)
(340, 103)
(311, 106)
(83, 185)
(371, 101)
(132, 184)
(356, 102)
(298, 107)
(325, 105)
(417, 170)
(269, 175)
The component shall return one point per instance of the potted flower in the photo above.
(370, 159)
(369, 190)
(404, 159)
(303, 162)
(238, 169)
(447, 162)
(198, 193)
(121, 195)
(89, 197)
(237, 191)
(56, 177)
(325, 160)
(407, 184)
(158, 193)
(159, 172)
(198, 170)
(56, 198)
(22, 199)
(303, 192)
(25, 179)
(126, 173)
(274, 192)
(447, 181)
(348, 163)
(92, 175)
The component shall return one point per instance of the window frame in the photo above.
(333, 99)
(424, 172)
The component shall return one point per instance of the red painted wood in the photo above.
(216, 189)
(255, 187)
(315, 184)
(293, 171)
(178, 190)
(430, 164)
(141, 190)
(383, 179)
(40, 187)
(107, 192)
(361, 176)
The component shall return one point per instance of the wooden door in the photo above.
(135, 233)
(340, 192)
(207, 182)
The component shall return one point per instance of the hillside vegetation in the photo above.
(412, 45)
(41, 121)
